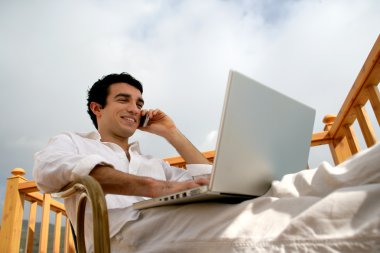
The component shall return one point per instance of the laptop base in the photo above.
(196, 195)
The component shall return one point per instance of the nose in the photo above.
(134, 109)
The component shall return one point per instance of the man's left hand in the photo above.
(159, 123)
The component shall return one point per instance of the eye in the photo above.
(122, 100)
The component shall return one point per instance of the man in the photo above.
(115, 105)
(329, 209)
(117, 120)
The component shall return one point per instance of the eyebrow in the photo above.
(126, 95)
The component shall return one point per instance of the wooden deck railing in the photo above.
(180, 163)
(19, 190)
(339, 132)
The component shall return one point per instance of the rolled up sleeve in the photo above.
(177, 174)
(198, 169)
(59, 163)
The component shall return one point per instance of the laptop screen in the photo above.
(263, 135)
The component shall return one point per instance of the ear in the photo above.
(96, 108)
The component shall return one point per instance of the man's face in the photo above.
(121, 115)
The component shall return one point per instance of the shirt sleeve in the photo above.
(177, 174)
(59, 163)
(199, 169)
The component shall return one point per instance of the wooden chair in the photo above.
(338, 134)
(90, 189)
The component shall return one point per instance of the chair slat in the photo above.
(69, 242)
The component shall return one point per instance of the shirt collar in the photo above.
(94, 135)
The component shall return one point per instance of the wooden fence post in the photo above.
(366, 126)
(13, 211)
(339, 147)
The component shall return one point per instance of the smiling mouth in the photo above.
(129, 119)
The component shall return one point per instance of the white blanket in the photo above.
(327, 209)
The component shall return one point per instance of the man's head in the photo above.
(100, 90)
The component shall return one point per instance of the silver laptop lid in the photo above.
(263, 135)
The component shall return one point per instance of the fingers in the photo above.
(170, 187)
(195, 183)
(185, 185)
(155, 114)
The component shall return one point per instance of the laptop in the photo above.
(263, 135)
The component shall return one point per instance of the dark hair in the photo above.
(99, 91)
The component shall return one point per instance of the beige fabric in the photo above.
(328, 209)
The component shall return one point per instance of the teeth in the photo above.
(129, 119)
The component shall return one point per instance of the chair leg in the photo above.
(74, 237)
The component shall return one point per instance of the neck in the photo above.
(119, 140)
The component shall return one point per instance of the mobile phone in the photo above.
(144, 121)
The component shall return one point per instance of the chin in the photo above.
(128, 132)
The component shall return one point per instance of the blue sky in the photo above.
(52, 52)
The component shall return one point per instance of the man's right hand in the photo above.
(117, 182)
(168, 187)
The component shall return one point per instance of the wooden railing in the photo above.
(19, 190)
(180, 163)
(339, 132)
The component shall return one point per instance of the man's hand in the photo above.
(117, 182)
(162, 125)
(159, 123)
(163, 188)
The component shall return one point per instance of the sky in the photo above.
(51, 52)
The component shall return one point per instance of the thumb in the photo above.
(202, 181)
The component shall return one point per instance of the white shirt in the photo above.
(70, 155)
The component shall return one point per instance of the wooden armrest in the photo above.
(89, 188)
